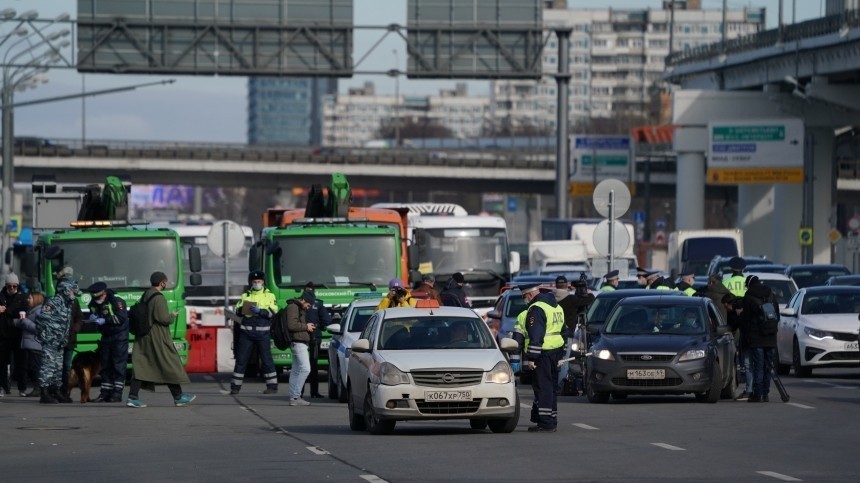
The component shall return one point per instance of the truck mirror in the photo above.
(254, 258)
(194, 263)
(196, 279)
(515, 262)
(412, 250)
(9, 256)
(28, 264)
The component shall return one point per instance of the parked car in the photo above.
(720, 265)
(427, 364)
(843, 280)
(818, 328)
(783, 287)
(343, 335)
(814, 275)
(662, 345)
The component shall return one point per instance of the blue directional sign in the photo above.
(512, 204)
(638, 217)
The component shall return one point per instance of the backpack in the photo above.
(114, 199)
(767, 318)
(138, 319)
(280, 332)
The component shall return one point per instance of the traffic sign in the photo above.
(235, 238)
(763, 151)
(594, 158)
(512, 204)
(805, 237)
(834, 235)
(15, 225)
(639, 217)
(621, 197)
(620, 238)
(660, 238)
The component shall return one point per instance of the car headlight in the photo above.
(817, 334)
(575, 346)
(692, 355)
(605, 354)
(390, 375)
(501, 374)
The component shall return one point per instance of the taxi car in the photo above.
(430, 363)
(343, 335)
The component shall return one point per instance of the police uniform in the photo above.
(52, 331)
(317, 314)
(112, 317)
(254, 331)
(685, 287)
(736, 283)
(607, 285)
(544, 325)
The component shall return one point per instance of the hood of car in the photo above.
(430, 359)
(832, 322)
(649, 343)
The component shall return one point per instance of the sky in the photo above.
(212, 109)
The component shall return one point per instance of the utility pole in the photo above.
(562, 79)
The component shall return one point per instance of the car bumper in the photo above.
(492, 401)
(828, 352)
(681, 378)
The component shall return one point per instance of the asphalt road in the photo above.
(220, 437)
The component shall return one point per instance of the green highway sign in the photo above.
(723, 134)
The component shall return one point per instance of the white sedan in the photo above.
(342, 336)
(818, 328)
(430, 363)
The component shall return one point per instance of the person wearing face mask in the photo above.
(12, 302)
(52, 332)
(110, 313)
(257, 306)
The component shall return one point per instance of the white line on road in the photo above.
(801, 406)
(526, 406)
(584, 426)
(373, 478)
(317, 450)
(668, 446)
(825, 383)
(778, 476)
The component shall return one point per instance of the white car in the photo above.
(342, 336)
(818, 328)
(428, 363)
(783, 287)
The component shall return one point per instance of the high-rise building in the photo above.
(836, 7)
(287, 110)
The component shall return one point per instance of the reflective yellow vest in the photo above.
(735, 284)
(552, 338)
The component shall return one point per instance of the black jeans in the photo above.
(313, 377)
(11, 352)
(175, 389)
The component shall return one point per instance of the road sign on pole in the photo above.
(763, 151)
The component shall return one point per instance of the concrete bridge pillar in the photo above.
(823, 192)
(690, 179)
(755, 205)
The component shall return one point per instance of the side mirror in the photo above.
(29, 264)
(255, 258)
(196, 279)
(788, 312)
(412, 251)
(361, 345)
(515, 262)
(509, 345)
(334, 329)
(494, 314)
(194, 262)
(592, 329)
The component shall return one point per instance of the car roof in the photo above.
(816, 266)
(769, 276)
(842, 278)
(366, 302)
(825, 289)
(636, 292)
(404, 312)
(655, 299)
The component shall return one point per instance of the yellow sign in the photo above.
(754, 175)
(587, 189)
(834, 235)
(805, 237)
(15, 226)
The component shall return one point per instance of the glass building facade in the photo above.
(287, 110)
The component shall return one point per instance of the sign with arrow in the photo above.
(763, 151)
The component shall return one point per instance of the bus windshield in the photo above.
(336, 260)
(460, 249)
(121, 263)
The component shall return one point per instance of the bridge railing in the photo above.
(768, 38)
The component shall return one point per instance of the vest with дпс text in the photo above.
(552, 338)
(735, 284)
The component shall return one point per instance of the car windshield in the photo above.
(600, 308)
(360, 316)
(831, 303)
(651, 319)
(339, 260)
(514, 305)
(782, 289)
(121, 263)
(421, 333)
(455, 249)
(815, 277)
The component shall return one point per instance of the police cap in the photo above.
(561, 280)
(737, 263)
(96, 287)
(612, 275)
(529, 287)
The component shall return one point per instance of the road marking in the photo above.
(801, 406)
(526, 406)
(207, 377)
(373, 478)
(825, 383)
(584, 426)
(668, 446)
(778, 476)
(317, 450)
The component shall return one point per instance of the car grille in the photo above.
(448, 407)
(447, 378)
(668, 382)
(840, 356)
(844, 336)
(653, 357)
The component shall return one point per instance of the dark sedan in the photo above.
(662, 345)
(814, 274)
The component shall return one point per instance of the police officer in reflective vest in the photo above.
(686, 284)
(110, 313)
(544, 325)
(736, 283)
(257, 307)
(611, 282)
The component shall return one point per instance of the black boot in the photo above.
(60, 396)
(46, 397)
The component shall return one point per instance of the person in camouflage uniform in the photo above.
(52, 331)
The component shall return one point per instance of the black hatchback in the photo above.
(662, 345)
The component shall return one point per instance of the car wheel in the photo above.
(506, 425)
(731, 388)
(332, 384)
(373, 423)
(712, 395)
(478, 423)
(799, 370)
(356, 421)
(341, 391)
(594, 397)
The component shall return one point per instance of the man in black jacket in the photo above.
(761, 338)
(12, 302)
(318, 315)
(110, 313)
(454, 295)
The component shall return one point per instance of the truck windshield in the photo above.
(119, 262)
(460, 249)
(338, 260)
(213, 269)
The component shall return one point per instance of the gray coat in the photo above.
(153, 356)
(28, 329)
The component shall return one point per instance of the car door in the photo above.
(787, 325)
(725, 343)
(361, 362)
